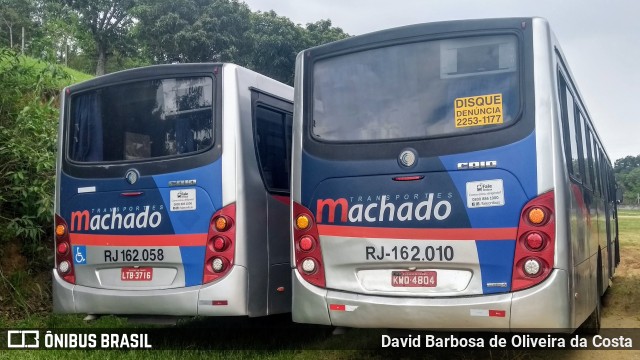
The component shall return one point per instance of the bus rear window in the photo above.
(417, 90)
(141, 120)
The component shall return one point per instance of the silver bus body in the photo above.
(360, 293)
(257, 282)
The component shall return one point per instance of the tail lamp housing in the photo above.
(535, 244)
(64, 255)
(306, 247)
(220, 249)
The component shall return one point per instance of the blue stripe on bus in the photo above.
(208, 197)
(519, 158)
(193, 264)
(496, 262)
(520, 185)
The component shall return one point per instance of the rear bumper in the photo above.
(186, 301)
(542, 308)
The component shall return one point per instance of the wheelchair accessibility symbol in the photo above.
(80, 255)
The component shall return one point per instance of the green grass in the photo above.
(76, 76)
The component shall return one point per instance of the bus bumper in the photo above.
(226, 297)
(538, 309)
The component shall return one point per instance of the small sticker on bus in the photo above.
(183, 199)
(485, 193)
(478, 110)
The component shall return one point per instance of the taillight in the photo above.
(306, 242)
(535, 244)
(220, 251)
(64, 257)
(308, 256)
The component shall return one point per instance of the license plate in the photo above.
(414, 279)
(136, 274)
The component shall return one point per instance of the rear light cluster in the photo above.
(220, 250)
(535, 245)
(64, 255)
(308, 256)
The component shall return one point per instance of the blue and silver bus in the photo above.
(172, 193)
(448, 175)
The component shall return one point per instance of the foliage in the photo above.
(102, 36)
(226, 31)
(193, 30)
(14, 15)
(28, 125)
(276, 41)
(107, 22)
(627, 171)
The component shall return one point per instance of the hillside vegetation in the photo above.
(28, 126)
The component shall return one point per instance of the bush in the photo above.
(28, 127)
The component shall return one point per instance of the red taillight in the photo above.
(534, 240)
(64, 257)
(308, 256)
(220, 252)
(306, 243)
(535, 245)
(408, 178)
(219, 243)
(63, 247)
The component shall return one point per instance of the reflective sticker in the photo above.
(88, 189)
(488, 313)
(479, 312)
(485, 193)
(183, 199)
(341, 307)
(478, 110)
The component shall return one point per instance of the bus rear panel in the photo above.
(420, 195)
(148, 218)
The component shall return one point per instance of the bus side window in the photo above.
(569, 130)
(596, 167)
(584, 139)
(273, 146)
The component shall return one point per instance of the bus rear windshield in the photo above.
(141, 120)
(417, 90)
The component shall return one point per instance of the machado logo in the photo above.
(114, 219)
(380, 208)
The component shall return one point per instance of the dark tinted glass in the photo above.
(417, 90)
(142, 120)
(273, 144)
(572, 133)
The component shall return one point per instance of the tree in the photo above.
(194, 30)
(14, 16)
(55, 36)
(226, 31)
(321, 32)
(107, 22)
(627, 172)
(276, 42)
(626, 164)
